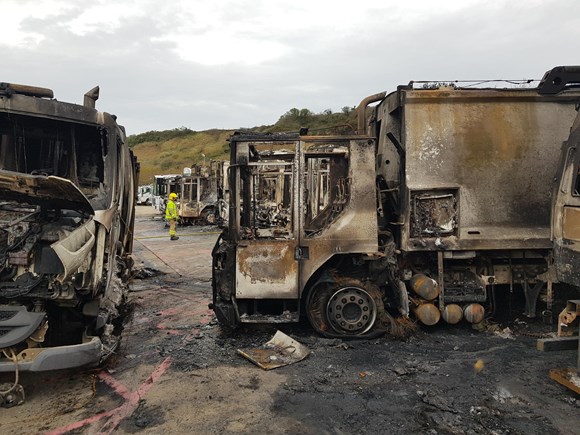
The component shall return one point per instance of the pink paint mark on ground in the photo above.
(123, 411)
(119, 388)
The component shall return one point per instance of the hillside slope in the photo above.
(169, 155)
(169, 151)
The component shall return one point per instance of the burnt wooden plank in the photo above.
(560, 343)
(567, 377)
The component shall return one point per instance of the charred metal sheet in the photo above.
(464, 285)
(266, 269)
(42, 190)
(571, 224)
(74, 249)
(280, 351)
(481, 141)
(106, 217)
(566, 260)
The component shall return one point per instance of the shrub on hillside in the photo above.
(158, 136)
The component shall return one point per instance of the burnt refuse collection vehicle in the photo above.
(67, 192)
(447, 200)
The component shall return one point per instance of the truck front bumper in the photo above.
(56, 358)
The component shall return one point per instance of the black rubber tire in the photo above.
(322, 301)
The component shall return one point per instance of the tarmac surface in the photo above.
(177, 371)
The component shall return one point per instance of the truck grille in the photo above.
(7, 315)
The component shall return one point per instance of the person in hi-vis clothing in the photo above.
(171, 215)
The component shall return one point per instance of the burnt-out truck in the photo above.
(68, 186)
(200, 194)
(439, 208)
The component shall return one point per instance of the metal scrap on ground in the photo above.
(280, 351)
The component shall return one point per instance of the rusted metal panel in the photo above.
(21, 104)
(571, 224)
(42, 190)
(266, 269)
(498, 149)
(566, 261)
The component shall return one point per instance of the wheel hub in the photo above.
(351, 311)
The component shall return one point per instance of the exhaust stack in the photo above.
(91, 97)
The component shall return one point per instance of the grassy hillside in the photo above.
(170, 155)
(169, 151)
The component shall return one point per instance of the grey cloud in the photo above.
(150, 88)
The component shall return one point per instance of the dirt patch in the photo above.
(145, 416)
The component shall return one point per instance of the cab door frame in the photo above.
(267, 266)
(566, 211)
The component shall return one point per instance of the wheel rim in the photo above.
(209, 217)
(351, 310)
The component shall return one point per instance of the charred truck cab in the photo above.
(302, 216)
(566, 200)
(440, 208)
(200, 194)
(67, 193)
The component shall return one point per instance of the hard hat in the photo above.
(172, 195)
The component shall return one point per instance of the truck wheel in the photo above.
(208, 216)
(345, 307)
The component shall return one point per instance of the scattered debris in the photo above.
(502, 395)
(11, 395)
(146, 272)
(506, 333)
(400, 371)
(437, 401)
(568, 377)
(280, 351)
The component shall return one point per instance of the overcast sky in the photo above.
(234, 63)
